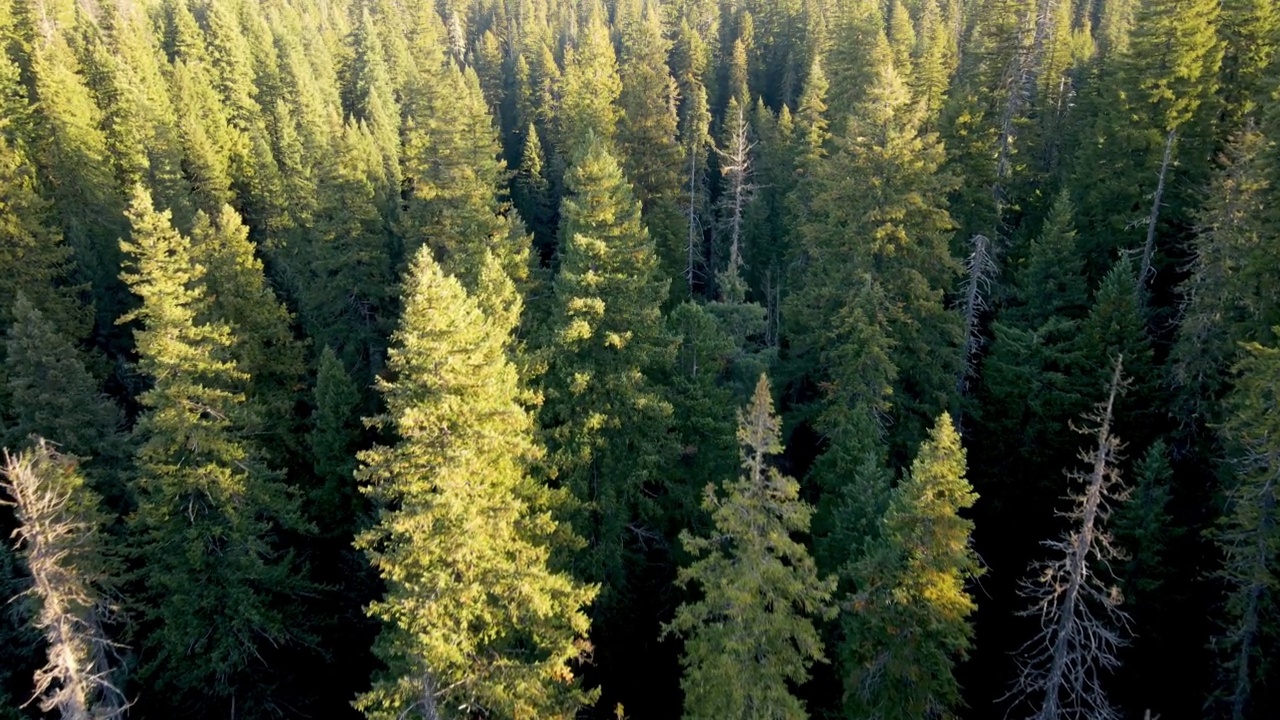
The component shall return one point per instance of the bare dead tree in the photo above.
(735, 165)
(980, 268)
(1062, 668)
(1149, 248)
(57, 537)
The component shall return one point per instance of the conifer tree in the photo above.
(60, 540)
(1062, 669)
(453, 170)
(603, 415)
(753, 632)
(215, 586)
(346, 301)
(1248, 535)
(39, 261)
(696, 145)
(589, 92)
(531, 194)
(648, 146)
(907, 623)
(51, 394)
(876, 210)
(263, 344)
(474, 618)
(1228, 297)
(333, 439)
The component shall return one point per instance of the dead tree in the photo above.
(1062, 668)
(57, 537)
(735, 165)
(1149, 247)
(980, 267)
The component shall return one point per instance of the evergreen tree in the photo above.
(263, 345)
(531, 194)
(1248, 535)
(214, 584)
(753, 631)
(474, 619)
(648, 146)
(604, 418)
(907, 623)
(333, 439)
(51, 394)
(589, 93)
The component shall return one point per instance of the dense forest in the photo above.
(532, 359)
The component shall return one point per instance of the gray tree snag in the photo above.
(1061, 669)
(980, 268)
(1149, 247)
(735, 165)
(58, 538)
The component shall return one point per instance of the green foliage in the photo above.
(50, 394)
(752, 632)
(1248, 535)
(906, 621)
(214, 583)
(333, 439)
(604, 418)
(474, 618)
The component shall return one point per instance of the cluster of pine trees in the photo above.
(420, 358)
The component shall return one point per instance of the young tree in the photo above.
(907, 622)
(215, 586)
(752, 633)
(474, 620)
(1062, 669)
(59, 539)
(333, 439)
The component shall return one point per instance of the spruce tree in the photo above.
(474, 620)
(752, 633)
(215, 586)
(907, 622)
(333, 438)
(589, 92)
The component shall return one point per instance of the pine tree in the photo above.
(346, 301)
(1248, 535)
(876, 210)
(752, 633)
(263, 344)
(474, 619)
(1228, 297)
(531, 194)
(603, 416)
(39, 261)
(215, 586)
(453, 172)
(1250, 31)
(907, 623)
(60, 540)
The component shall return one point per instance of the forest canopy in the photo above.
(513, 359)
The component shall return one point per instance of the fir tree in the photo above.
(752, 633)
(474, 619)
(907, 623)
(333, 438)
(209, 514)
(604, 418)
(589, 93)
